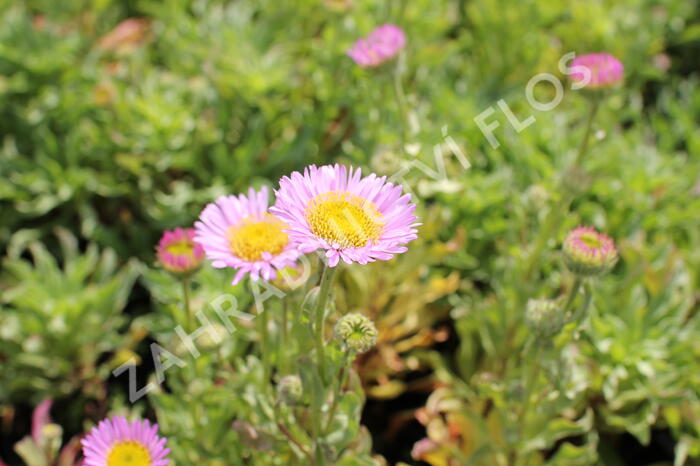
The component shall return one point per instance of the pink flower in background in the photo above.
(178, 252)
(382, 44)
(118, 442)
(239, 232)
(126, 36)
(353, 218)
(588, 252)
(596, 70)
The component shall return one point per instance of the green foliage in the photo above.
(108, 140)
(60, 319)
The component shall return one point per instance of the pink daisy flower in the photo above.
(588, 252)
(240, 233)
(382, 44)
(118, 442)
(178, 253)
(603, 70)
(353, 218)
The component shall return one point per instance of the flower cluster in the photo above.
(332, 208)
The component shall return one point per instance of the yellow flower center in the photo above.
(590, 240)
(254, 236)
(129, 453)
(344, 219)
(181, 248)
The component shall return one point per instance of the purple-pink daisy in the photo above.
(382, 44)
(118, 442)
(596, 70)
(239, 232)
(354, 218)
(178, 252)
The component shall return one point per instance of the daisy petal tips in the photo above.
(239, 232)
(352, 218)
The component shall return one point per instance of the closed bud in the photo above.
(536, 196)
(178, 253)
(356, 333)
(290, 390)
(589, 253)
(544, 317)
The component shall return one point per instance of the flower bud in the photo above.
(178, 253)
(213, 336)
(537, 196)
(290, 389)
(356, 333)
(596, 70)
(589, 253)
(544, 317)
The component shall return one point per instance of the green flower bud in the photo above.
(356, 333)
(544, 317)
(290, 389)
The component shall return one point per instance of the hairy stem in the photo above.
(264, 344)
(186, 291)
(572, 294)
(342, 380)
(320, 315)
(282, 353)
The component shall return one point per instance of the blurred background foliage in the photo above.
(121, 118)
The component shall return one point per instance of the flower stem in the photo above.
(530, 381)
(186, 291)
(572, 294)
(583, 148)
(320, 315)
(342, 379)
(400, 104)
(282, 353)
(561, 207)
(581, 311)
(264, 344)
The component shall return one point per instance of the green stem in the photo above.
(530, 381)
(320, 315)
(325, 289)
(342, 377)
(264, 347)
(550, 226)
(578, 315)
(188, 310)
(583, 148)
(282, 353)
(572, 294)
(400, 103)
(561, 207)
